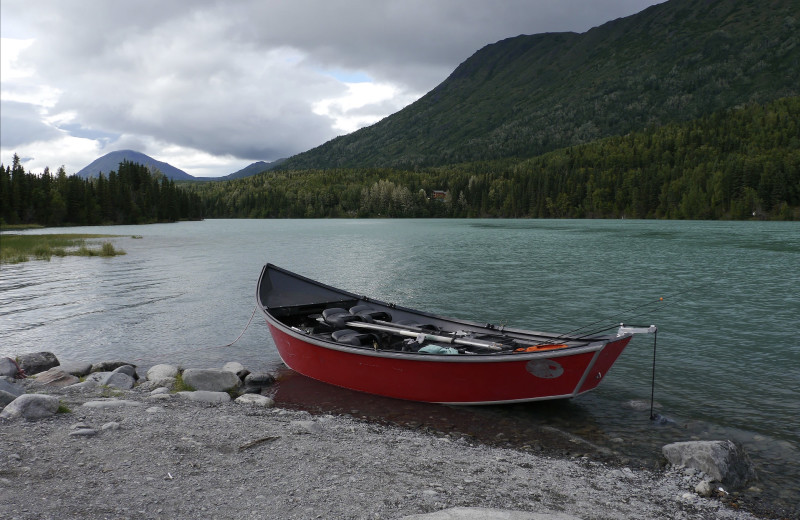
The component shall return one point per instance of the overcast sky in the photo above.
(211, 86)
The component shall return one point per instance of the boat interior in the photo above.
(359, 323)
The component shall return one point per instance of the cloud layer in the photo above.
(211, 86)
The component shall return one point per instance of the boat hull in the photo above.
(314, 338)
(438, 379)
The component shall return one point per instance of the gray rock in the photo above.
(129, 370)
(55, 377)
(109, 366)
(6, 398)
(12, 388)
(481, 513)
(83, 386)
(97, 377)
(212, 380)
(259, 379)
(163, 371)
(722, 461)
(236, 368)
(256, 400)
(206, 396)
(308, 426)
(703, 489)
(110, 404)
(8, 367)
(37, 362)
(30, 407)
(112, 425)
(250, 390)
(76, 368)
(83, 432)
(165, 383)
(119, 380)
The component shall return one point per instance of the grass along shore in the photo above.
(21, 248)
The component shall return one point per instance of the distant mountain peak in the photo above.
(111, 161)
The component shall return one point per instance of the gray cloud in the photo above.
(241, 78)
(21, 124)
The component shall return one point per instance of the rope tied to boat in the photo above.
(653, 379)
(255, 308)
(243, 331)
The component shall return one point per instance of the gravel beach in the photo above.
(139, 455)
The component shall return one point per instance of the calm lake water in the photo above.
(728, 358)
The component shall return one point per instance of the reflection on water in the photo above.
(727, 346)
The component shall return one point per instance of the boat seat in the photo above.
(337, 317)
(352, 337)
(369, 314)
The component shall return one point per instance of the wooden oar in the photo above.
(425, 336)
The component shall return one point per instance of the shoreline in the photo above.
(155, 454)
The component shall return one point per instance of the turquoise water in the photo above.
(728, 358)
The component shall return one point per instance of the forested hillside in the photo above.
(733, 164)
(130, 195)
(527, 95)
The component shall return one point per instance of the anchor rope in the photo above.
(653, 380)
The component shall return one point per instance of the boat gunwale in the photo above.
(505, 356)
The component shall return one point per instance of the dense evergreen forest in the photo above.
(131, 195)
(734, 164)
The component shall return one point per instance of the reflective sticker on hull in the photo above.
(544, 368)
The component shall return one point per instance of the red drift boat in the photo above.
(355, 342)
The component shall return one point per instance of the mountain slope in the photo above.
(110, 162)
(527, 95)
(250, 170)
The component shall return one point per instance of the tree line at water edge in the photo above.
(131, 195)
(734, 164)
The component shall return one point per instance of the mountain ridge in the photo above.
(110, 162)
(530, 94)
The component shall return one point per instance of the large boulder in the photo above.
(36, 362)
(722, 461)
(31, 407)
(211, 379)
